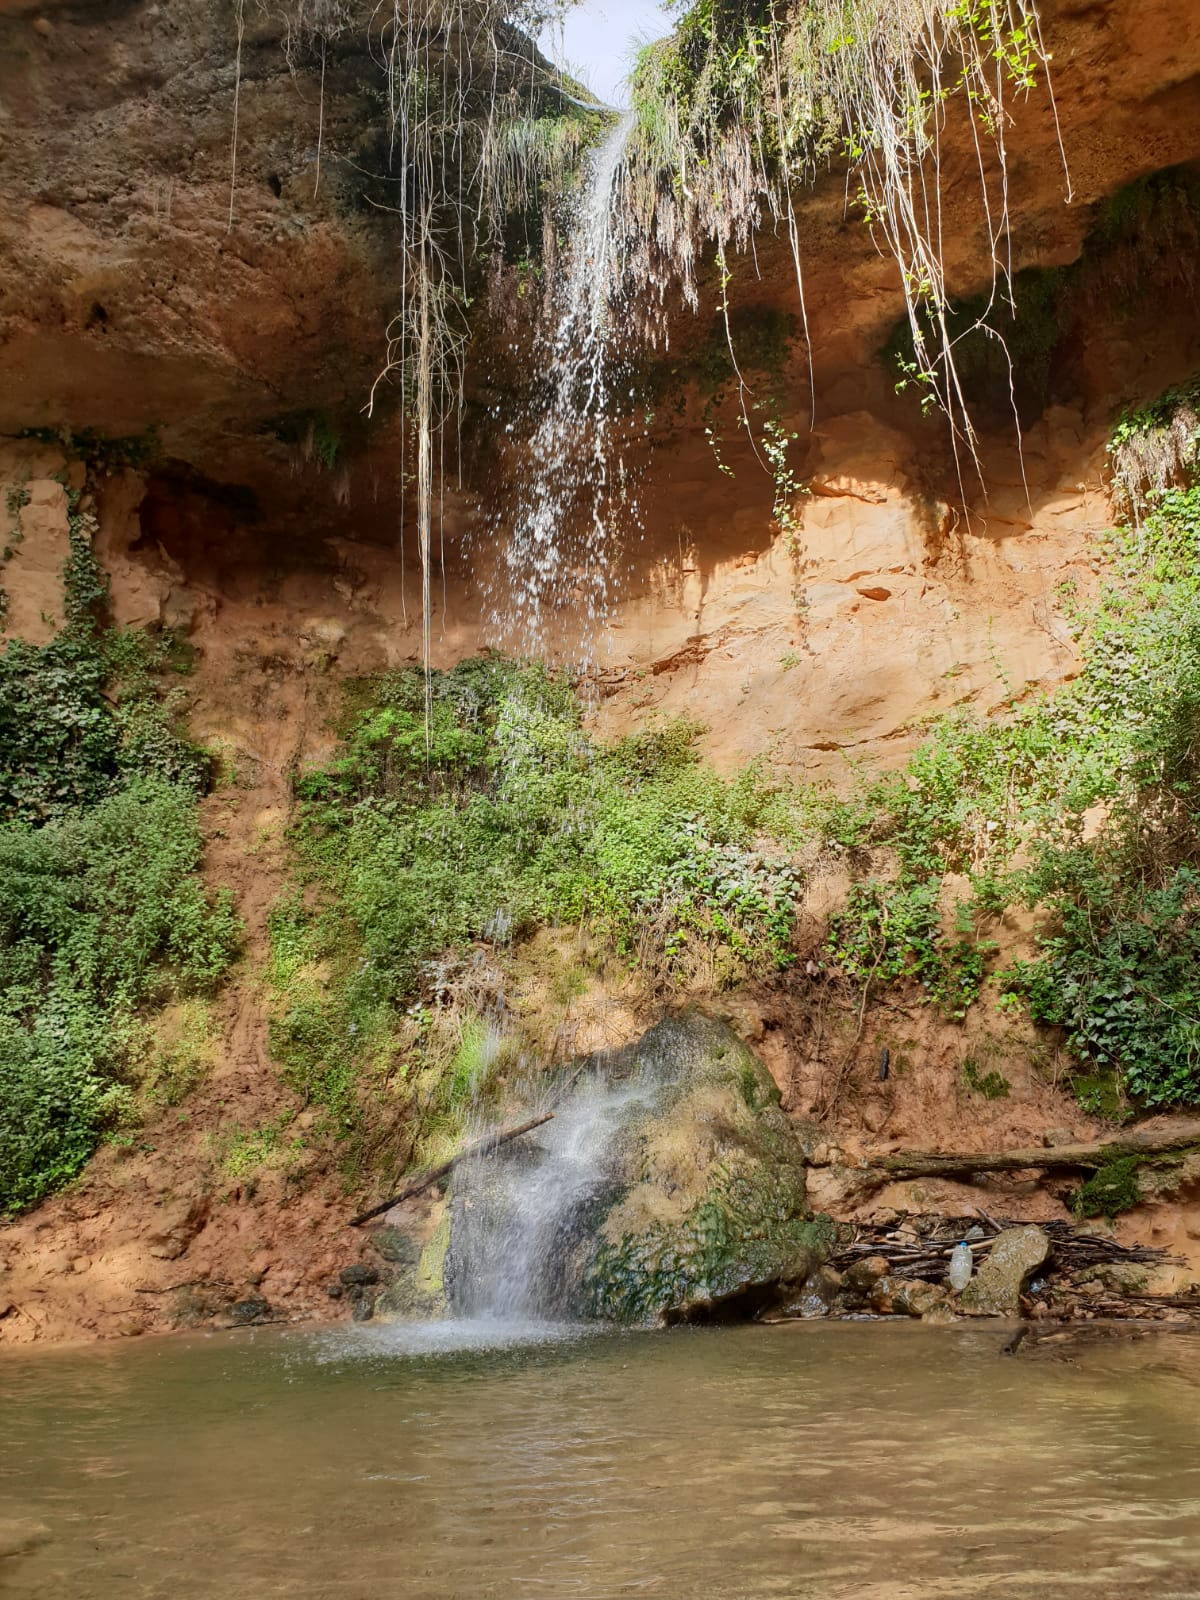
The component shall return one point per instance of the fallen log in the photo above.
(484, 1147)
(905, 1164)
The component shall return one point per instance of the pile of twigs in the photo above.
(920, 1246)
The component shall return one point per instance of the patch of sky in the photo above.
(597, 40)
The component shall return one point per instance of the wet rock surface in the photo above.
(415, 1252)
(253, 1309)
(695, 1208)
(996, 1288)
(714, 1211)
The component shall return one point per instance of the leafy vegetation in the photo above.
(747, 102)
(425, 849)
(511, 819)
(1082, 806)
(101, 452)
(893, 932)
(103, 917)
(85, 713)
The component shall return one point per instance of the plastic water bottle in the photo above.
(962, 1265)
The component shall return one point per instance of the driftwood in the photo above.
(1181, 1136)
(484, 1147)
(921, 1247)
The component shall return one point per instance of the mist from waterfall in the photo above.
(556, 554)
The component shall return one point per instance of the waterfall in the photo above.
(523, 1215)
(557, 553)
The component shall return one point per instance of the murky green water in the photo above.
(797, 1461)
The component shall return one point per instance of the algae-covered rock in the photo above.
(667, 1185)
(995, 1290)
(417, 1290)
(710, 1207)
(396, 1246)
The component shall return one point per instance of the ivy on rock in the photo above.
(103, 914)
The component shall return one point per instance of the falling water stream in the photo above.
(558, 550)
(520, 1215)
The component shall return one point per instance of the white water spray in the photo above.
(522, 1215)
(558, 553)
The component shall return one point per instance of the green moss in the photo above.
(991, 1085)
(432, 1265)
(751, 1227)
(1110, 1190)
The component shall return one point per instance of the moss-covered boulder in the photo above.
(710, 1215)
(667, 1186)
(415, 1251)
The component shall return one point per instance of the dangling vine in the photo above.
(746, 101)
(735, 113)
(480, 126)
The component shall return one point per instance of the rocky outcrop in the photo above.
(143, 286)
(712, 1215)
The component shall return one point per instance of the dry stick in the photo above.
(483, 1148)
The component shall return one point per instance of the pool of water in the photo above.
(798, 1461)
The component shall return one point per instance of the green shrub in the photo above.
(892, 933)
(85, 712)
(101, 919)
(103, 916)
(499, 817)
(1121, 972)
(511, 817)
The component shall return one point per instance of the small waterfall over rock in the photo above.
(520, 1218)
(557, 553)
(668, 1184)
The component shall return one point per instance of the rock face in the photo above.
(701, 1203)
(711, 1215)
(415, 1252)
(995, 1291)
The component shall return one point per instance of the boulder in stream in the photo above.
(668, 1186)
(995, 1290)
(711, 1216)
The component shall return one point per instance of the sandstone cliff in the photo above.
(243, 323)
